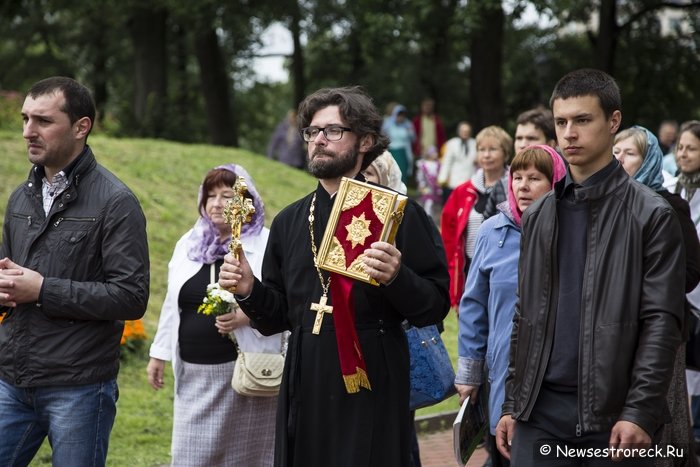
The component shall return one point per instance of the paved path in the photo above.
(436, 451)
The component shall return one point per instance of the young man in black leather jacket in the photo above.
(601, 289)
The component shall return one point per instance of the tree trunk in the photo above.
(298, 56)
(606, 43)
(99, 78)
(357, 59)
(486, 64)
(436, 55)
(182, 101)
(215, 87)
(148, 33)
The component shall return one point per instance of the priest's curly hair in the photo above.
(357, 111)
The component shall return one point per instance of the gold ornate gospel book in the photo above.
(362, 214)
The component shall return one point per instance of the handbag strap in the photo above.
(283, 341)
(283, 350)
(212, 273)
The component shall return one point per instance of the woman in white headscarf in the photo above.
(386, 172)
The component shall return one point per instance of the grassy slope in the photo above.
(165, 176)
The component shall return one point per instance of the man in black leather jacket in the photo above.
(601, 289)
(73, 265)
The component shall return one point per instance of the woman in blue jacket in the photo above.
(487, 305)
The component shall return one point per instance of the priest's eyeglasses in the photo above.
(331, 133)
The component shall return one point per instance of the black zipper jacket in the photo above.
(93, 254)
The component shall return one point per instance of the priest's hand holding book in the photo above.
(382, 262)
(236, 275)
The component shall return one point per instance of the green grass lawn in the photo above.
(165, 177)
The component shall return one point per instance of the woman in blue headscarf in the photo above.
(638, 151)
(212, 424)
(401, 135)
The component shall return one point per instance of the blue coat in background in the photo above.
(486, 309)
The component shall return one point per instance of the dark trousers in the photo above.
(553, 422)
(695, 415)
(495, 458)
(415, 448)
(446, 192)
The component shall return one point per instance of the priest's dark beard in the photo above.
(339, 164)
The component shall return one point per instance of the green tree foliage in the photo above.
(659, 77)
(487, 21)
(189, 76)
(267, 104)
(399, 50)
(31, 43)
(655, 69)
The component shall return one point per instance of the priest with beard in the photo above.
(344, 399)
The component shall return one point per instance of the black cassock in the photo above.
(318, 422)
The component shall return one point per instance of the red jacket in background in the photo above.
(453, 228)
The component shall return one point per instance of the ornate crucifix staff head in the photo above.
(238, 211)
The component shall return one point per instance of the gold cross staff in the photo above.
(320, 308)
(239, 210)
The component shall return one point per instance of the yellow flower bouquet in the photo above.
(217, 301)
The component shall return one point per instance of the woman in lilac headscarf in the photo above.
(213, 425)
(488, 303)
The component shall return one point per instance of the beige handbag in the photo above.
(258, 374)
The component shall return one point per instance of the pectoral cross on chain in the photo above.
(320, 308)
(239, 210)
